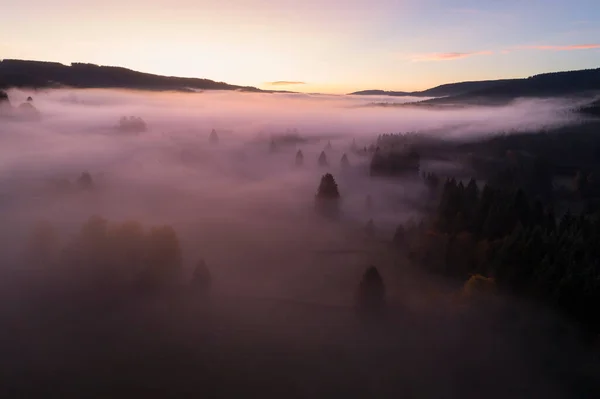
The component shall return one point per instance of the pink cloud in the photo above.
(446, 56)
(285, 83)
(565, 48)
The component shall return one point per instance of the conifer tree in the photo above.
(214, 137)
(323, 159)
(370, 298)
(344, 162)
(299, 158)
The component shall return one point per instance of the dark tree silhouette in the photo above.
(272, 146)
(323, 159)
(214, 137)
(328, 196)
(328, 147)
(85, 181)
(501, 232)
(299, 158)
(201, 278)
(328, 188)
(344, 162)
(353, 146)
(29, 99)
(370, 298)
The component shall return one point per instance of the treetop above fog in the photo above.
(328, 188)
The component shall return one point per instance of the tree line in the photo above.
(503, 234)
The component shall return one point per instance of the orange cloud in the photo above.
(446, 56)
(565, 48)
(285, 83)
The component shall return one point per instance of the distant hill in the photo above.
(381, 93)
(450, 89)
(38, 74)
(583, 82)
(454, 89)
(572, 83)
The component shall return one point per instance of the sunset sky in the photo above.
(328, 46)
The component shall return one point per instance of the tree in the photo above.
(214, 137)
(328, 188)
(328, 196)
(328, 147)
(370, 298)
(85, 181)
(132, 124)
(323, 159)
(344, 162)
(299, 158)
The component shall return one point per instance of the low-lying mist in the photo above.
(280, 319)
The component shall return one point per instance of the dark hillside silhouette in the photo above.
(38, 74)
(570, 83)
(554, 84)
(449, 89)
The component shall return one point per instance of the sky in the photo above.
(329, 46)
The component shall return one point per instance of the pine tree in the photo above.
(323, 159)
(327, 200)
(344, 162)
(328, 188)
(214, 137)
(371, 293)
(85, 181)
(299, 158)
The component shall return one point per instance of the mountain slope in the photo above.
(449, 89)
(582, 82)
(454, 89)
(381, 93)
(38, 74)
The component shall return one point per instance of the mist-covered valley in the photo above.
(171, 244)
